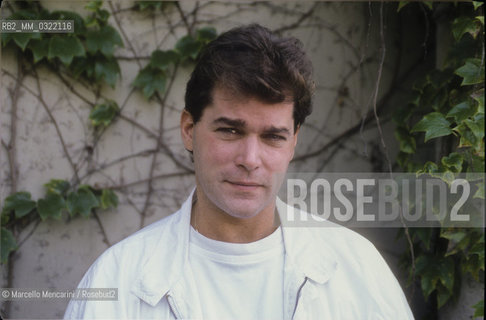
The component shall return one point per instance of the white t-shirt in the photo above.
(238, 280)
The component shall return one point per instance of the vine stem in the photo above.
(183, 17)
(103, 232)
(377, 88)
(301, 19)
(11, 149)
(380, 131)
(158, 147)
(354, 129)
(40, 97)
(113, 11)
(161, 176)
(12, 146)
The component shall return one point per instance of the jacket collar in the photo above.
(161, 273)
(308, 255)
(305, 248)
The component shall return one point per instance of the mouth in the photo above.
(244, 185)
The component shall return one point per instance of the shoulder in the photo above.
(322, 234)
(361, 273)
(329, 241)
(119, 262)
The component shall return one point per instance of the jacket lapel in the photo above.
(166, 269)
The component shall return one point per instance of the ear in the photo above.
(187, 129)
(295, 137)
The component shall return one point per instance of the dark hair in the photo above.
(253, 62)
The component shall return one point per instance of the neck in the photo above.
(218, 225)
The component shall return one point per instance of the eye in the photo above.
(228, 130)
(275, 137)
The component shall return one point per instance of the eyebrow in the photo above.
(238, 123)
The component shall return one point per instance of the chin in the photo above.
(243, 209)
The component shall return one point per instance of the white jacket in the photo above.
(329, 273)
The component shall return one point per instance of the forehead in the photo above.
(252, 111)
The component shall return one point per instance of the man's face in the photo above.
(241, 149)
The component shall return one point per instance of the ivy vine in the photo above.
(88, 53)
(447, 107)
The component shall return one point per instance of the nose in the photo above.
(249, 154)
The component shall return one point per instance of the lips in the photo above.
(244, 184)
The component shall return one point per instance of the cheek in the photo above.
(213, 152)
(277, 160)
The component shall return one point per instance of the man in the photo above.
(224, 254)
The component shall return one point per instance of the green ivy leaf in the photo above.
(467, 137)
(20, 202)
(103, 40)
(424, 235)
(434, 125)
(150, 80)
(477, 126)
(109, 199)
(23, 14)
(207, 34)
(103, 114)
(188, 47)
(480, 19)
(402, 4)
(7, 244)
(81, 65)
(79, 27)
(428, 285)
(429, 168)
(65, 48)
(424, 267)
(107, 69)
(473, 265)
(163, 59)
(93, 5)
(464, 24)
(91, 22)
(407, 142)
(51, 206)
(428, 4)
(479, 309)
(458, 240)
(479, 194)
(477, 4)
(57, 186)
(479, 97)
(103, 15)
(455, 236)
(462, 111)
(403, 160)
(82, 202)
(472, 72)
(475, 166)
(442, 296)
(453, 160)
(39, 48)
(20, 39)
